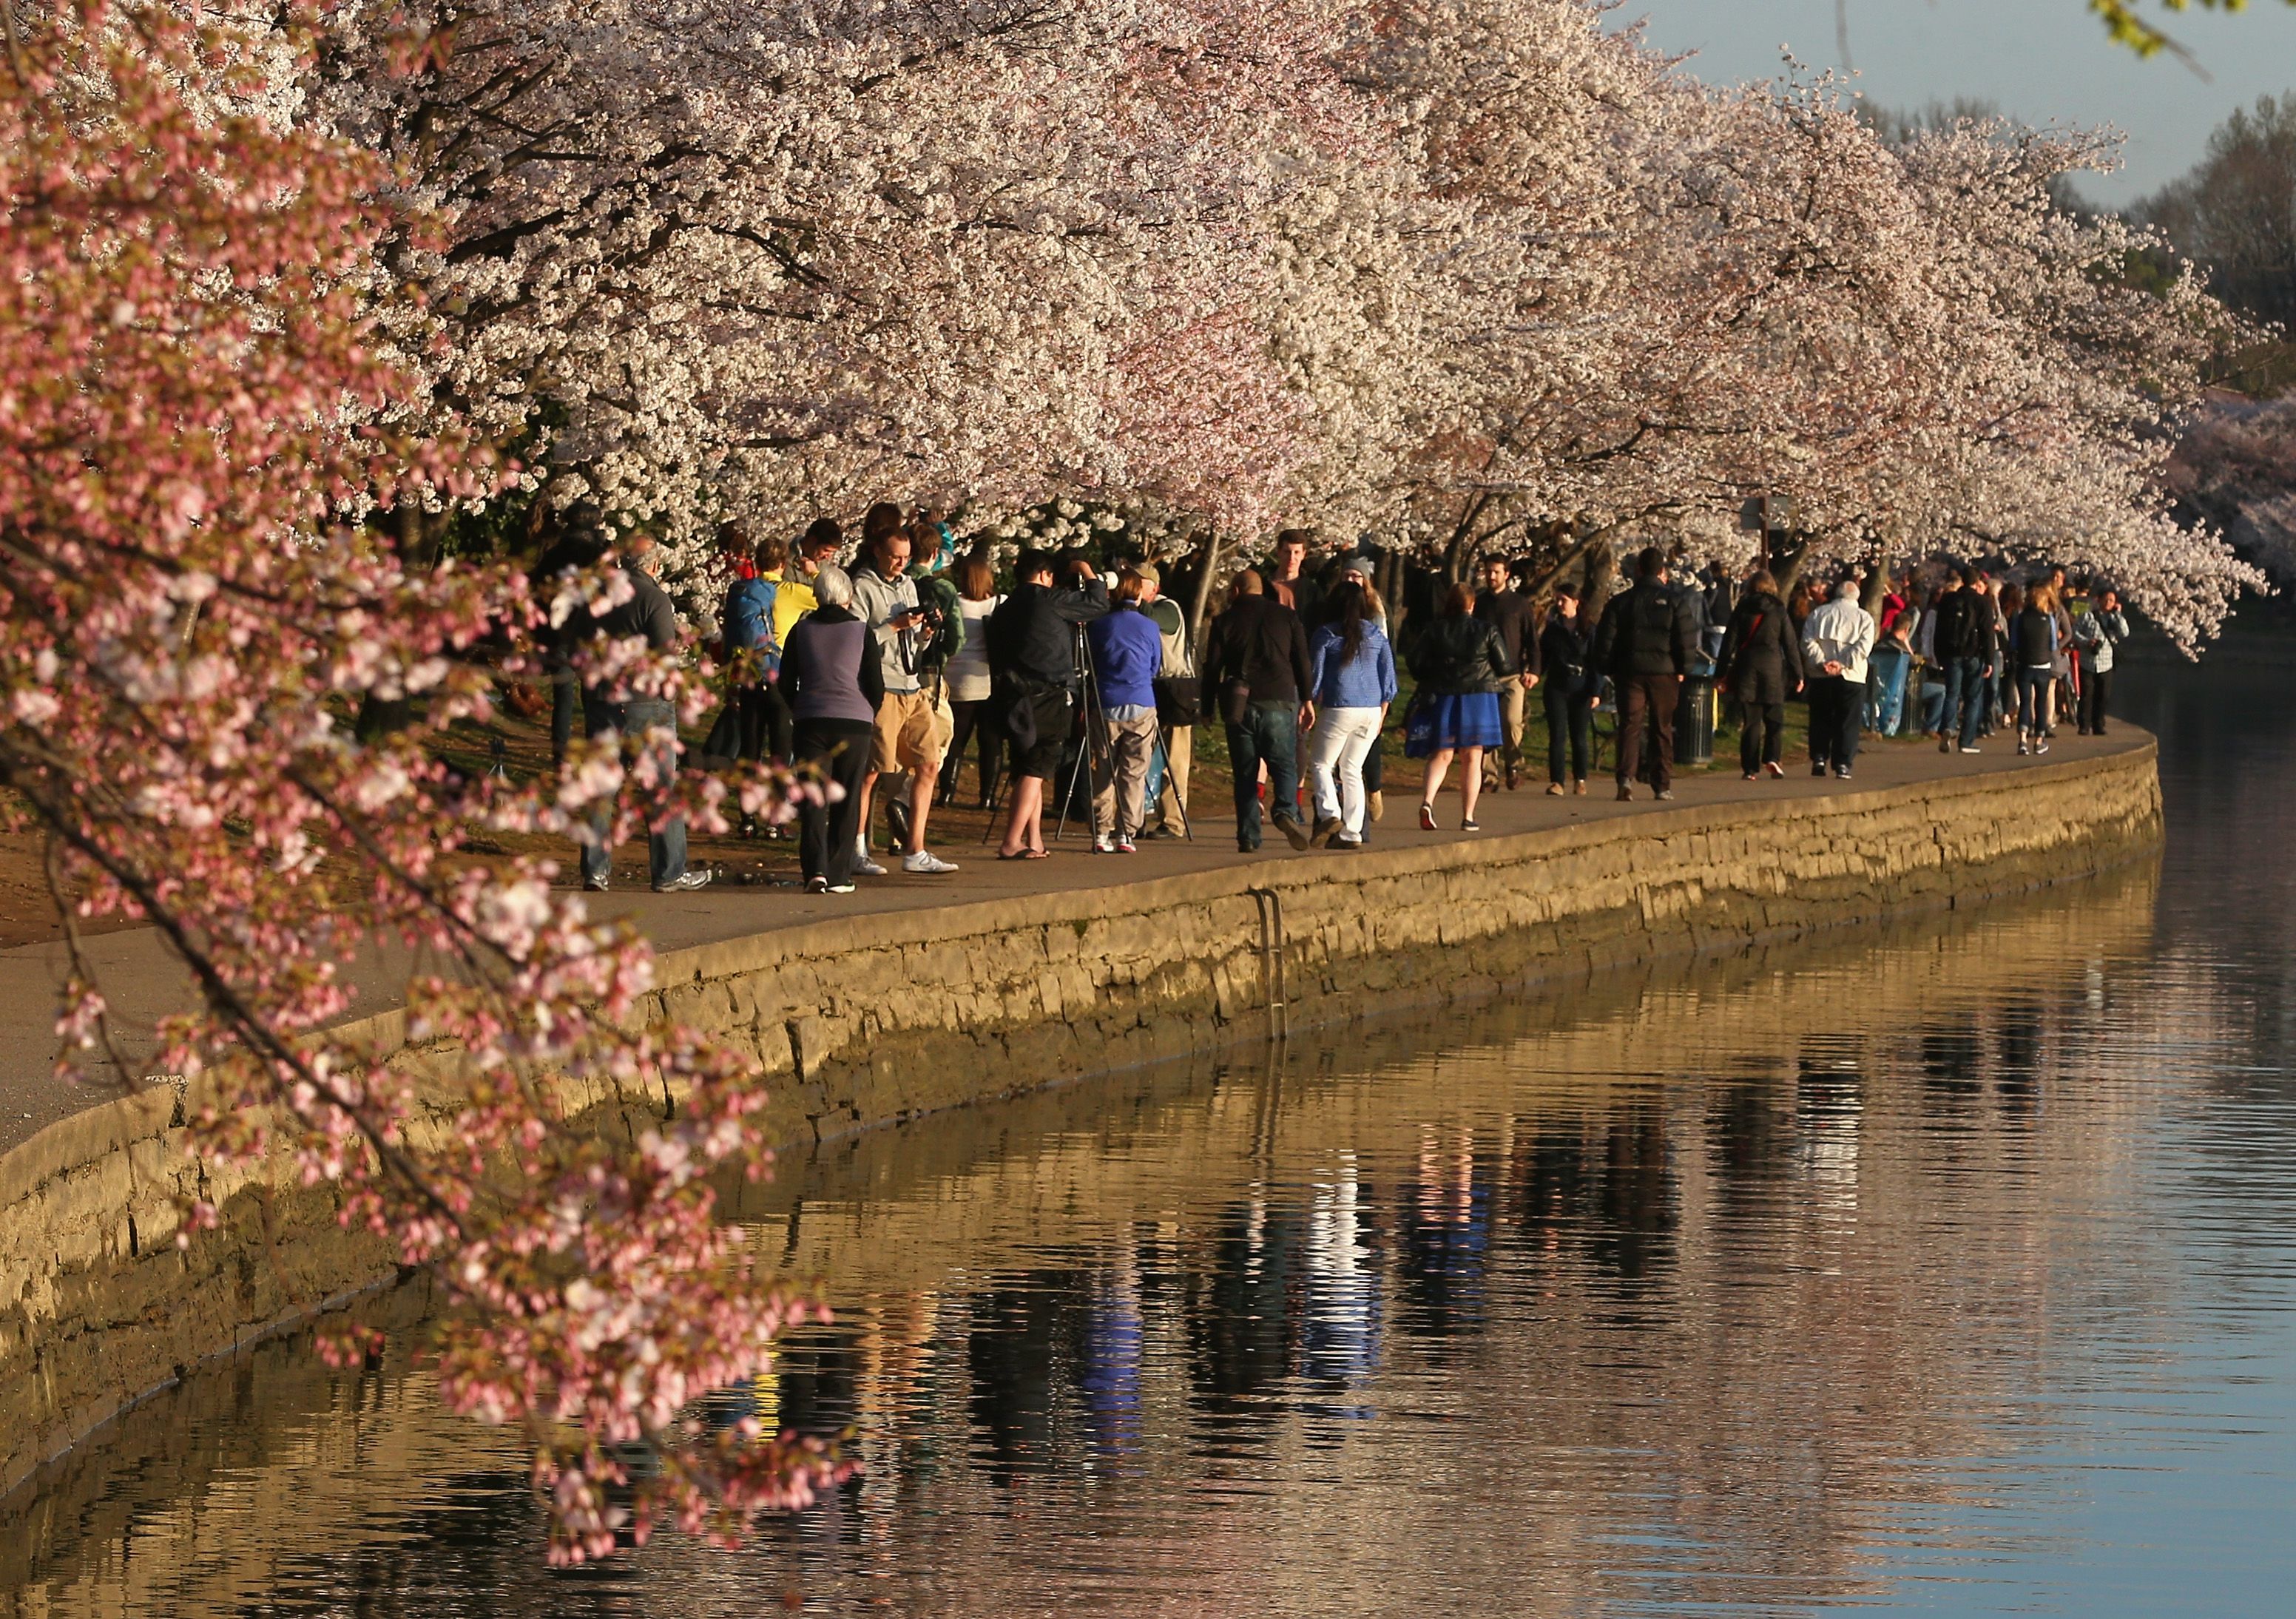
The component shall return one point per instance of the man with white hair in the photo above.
(1836, 640)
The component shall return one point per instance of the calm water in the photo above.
(1945, 1266)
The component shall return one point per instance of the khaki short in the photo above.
(908, 736)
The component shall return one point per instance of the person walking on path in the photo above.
(832, 675)
(1507, 610)
(1647, 642)
(1963, 643)
(1761, 667)
(651, 721)
(2034, 653)
(1256, 659)
(2098, 634)
(1461, 667)
(908, 734)
(969, 686)
(1031, 641)
(1566, 654)
(1837, 640)
(1352, 683)
(1125, 653)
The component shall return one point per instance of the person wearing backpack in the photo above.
(754, 655)
(1180, 704)
(1646, 642)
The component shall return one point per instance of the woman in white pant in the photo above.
(1353, 682)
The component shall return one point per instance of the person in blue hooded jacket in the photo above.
(1127, 651)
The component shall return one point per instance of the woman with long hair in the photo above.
(968, 683)
(1460, 663)
(1761, 666)
(1353, 670)
(2033, 654)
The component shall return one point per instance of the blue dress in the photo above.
(1468, 719)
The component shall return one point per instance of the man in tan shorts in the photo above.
(907, 737)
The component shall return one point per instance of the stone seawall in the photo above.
(877, 1019)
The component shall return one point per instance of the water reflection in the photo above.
(1949, 1264)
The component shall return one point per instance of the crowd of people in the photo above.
(1078, 688)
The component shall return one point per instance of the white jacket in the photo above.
(1840, 632)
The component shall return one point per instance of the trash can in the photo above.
(1693, 719)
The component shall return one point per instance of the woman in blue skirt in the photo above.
(1460, 664)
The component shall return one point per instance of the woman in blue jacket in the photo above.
(1353, 682)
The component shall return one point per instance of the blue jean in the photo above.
(655, 722)
(1270, 736)
(1964, 698)
(1885, 689)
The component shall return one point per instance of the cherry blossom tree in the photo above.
(195, 401)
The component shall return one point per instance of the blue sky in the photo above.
(2042, 60)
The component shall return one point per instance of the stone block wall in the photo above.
(877, 1019)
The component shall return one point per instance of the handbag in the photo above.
(1020, 721)
(1179, 700)
(723, 749)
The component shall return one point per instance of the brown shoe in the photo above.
(1514, 777)
(1580, 789)
(1554, 789)
(1626, 793)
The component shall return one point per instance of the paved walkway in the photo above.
(142, 983)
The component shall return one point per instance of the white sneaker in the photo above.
(1104, 845)
(862, 866)
(926, 863)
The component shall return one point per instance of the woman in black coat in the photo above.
(1761, 667)
(1460, 664)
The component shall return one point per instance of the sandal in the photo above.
(1024, 854)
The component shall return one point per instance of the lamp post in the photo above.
(1767, 514)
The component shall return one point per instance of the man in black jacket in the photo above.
(1507, 610)
(1032, 645)
(650, 721)
(1256, 665)
(1647, 642)
(1962, 638)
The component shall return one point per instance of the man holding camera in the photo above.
(907, 737)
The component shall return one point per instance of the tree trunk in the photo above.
(1786, 561)
(1200, 618)
(1391, 591)
(1602, 576)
